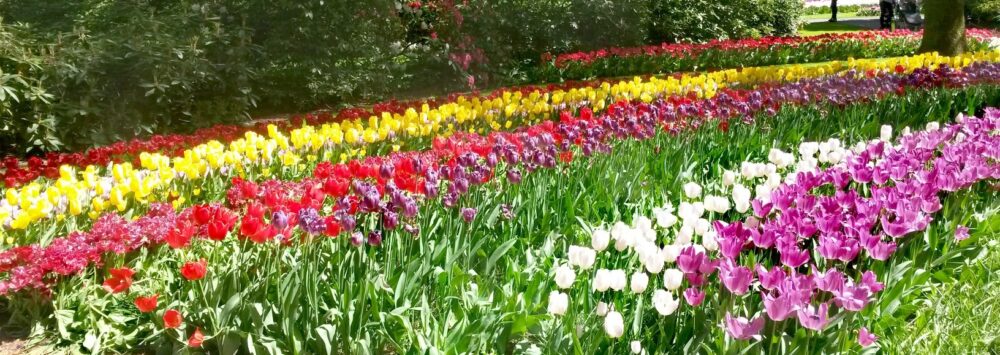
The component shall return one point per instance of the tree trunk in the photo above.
(944, 27)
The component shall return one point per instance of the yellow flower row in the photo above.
(119, 186)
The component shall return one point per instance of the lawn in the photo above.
(818, 28)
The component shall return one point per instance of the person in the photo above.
(833, 10)
(885, 19)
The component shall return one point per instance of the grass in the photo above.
(842, 15)
(964, 314)
(818, 28)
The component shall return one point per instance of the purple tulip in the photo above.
(690, 260)
(814, 318)
(779, 308)
(770, 280)
(375, 238)
(735, 278)
(356, 238)
(742, 328)
(468, 214)
(310, 221)
(694, 296)
(865, 338)
(961, 233)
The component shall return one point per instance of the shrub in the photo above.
(26, 120)
(702, 20)
(984, 12)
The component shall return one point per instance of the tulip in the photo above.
(742, 328)
(193, 271)
(639, 282)
(146, 304)
(614, 324)
(172, 319)
(558, 303)
(565, 277)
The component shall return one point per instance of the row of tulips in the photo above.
(676, 57)
(449, 281)
(794, 251)
(389, 189)
(796, 50)
(78, 196)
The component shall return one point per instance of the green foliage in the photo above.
(26, 118)
(505, 35)
(984, 12)
(94, 72)
(843, 9)
(702, 20)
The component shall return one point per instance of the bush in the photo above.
(984, 13)
(702, 20)
(26, 119)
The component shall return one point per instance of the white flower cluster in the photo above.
(687, 225)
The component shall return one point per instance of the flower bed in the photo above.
(358, 253)
(673, 57)
(78, 196)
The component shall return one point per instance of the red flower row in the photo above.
(693, 49)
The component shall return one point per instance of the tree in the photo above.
(944, 27)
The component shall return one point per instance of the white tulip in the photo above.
(702, 226)
(710, 240)
(905, 132)
(692, 189)
(602, 309)
(698, 209)
(582, 257)
(599, 239)
(933, 126)
(741, 198)
(614, 324)
(664, 302)
(639, 282)
(664, 219)
(808, 149)
(670, 252)
(565, 276)
(769, 169)
(717, 204)
(617, 279)
(619, 230)
(773, 180)
(728, 178)
(672, 279)
(763, 193)
(558, 303)
(653, 261)
(636, 347)
(602, 280)
(885, 133)
(774, 155)
(685, 235)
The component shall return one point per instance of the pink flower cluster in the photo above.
(877, 197)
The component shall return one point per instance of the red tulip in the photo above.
(194, 270)
(196, 338)
(172, 319)
(146, 304)
(120, 280)
(217, 230)
(180, 236)
(203, 214)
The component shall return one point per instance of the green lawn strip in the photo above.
(818, 28)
